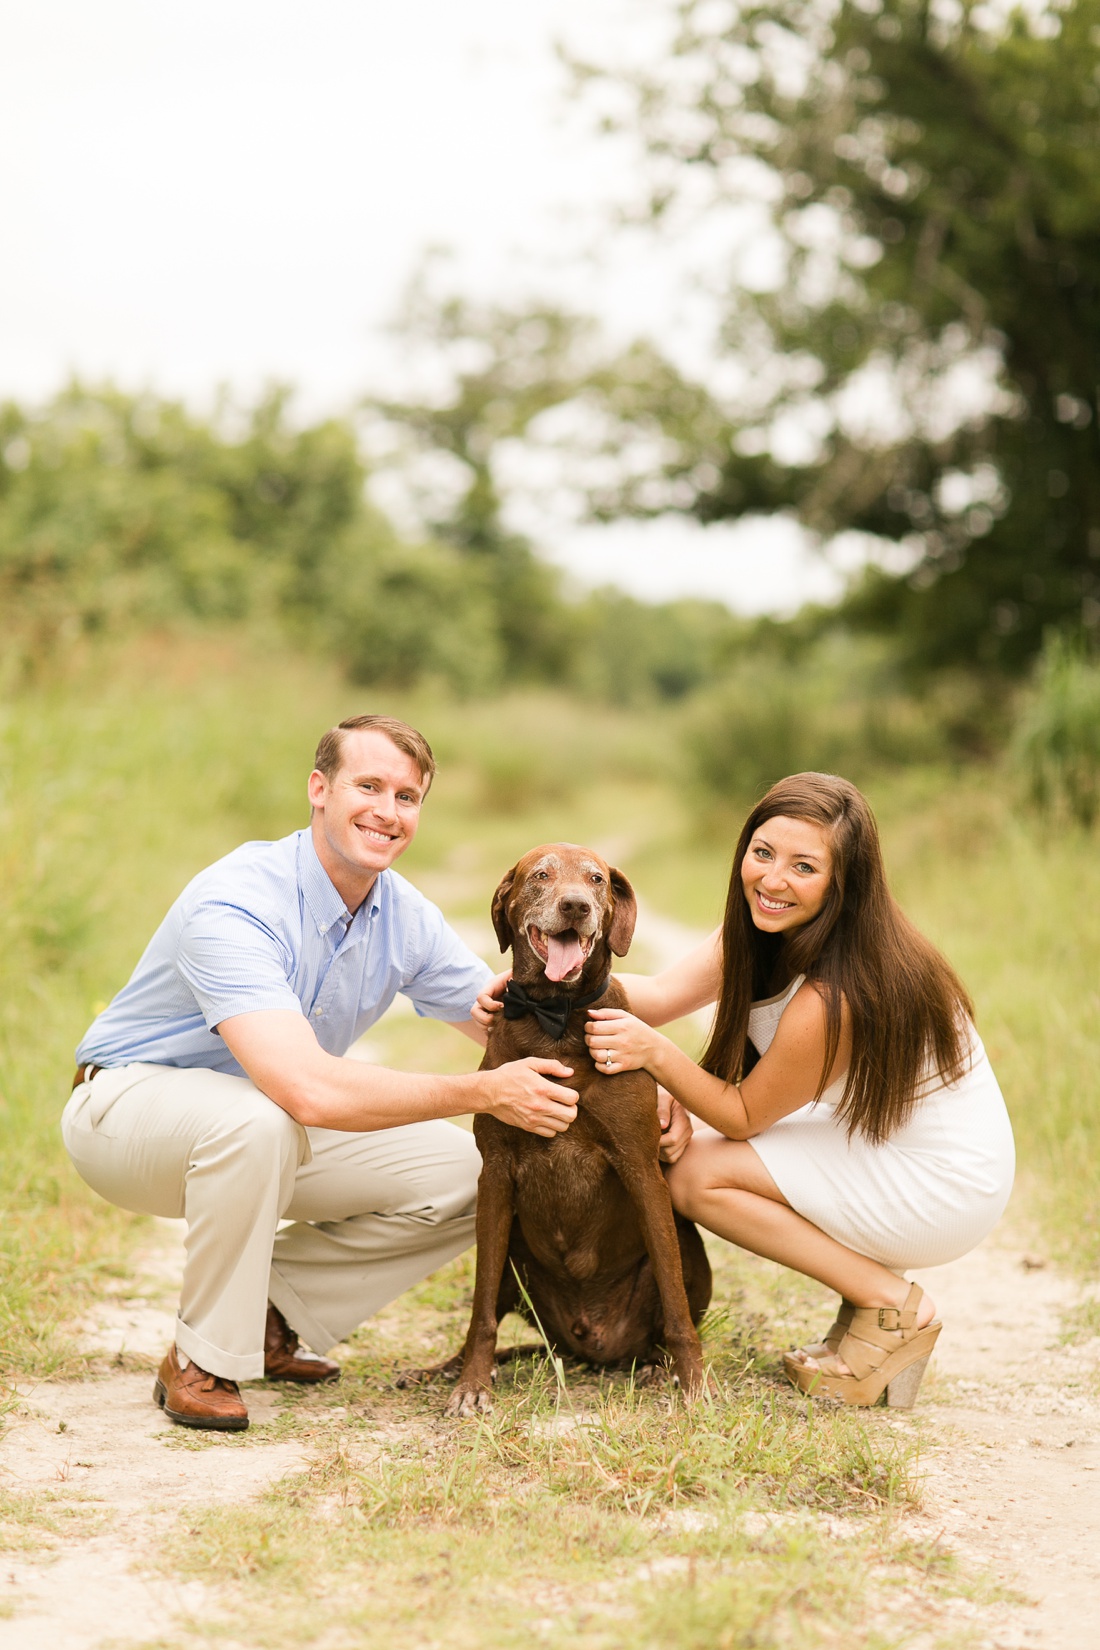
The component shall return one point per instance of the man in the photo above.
(214, 1087)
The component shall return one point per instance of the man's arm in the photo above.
(278, 1050)
(469, 1028)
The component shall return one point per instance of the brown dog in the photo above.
(585, 1219)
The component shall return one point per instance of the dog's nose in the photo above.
(575, 904)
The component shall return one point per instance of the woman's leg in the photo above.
(723, 1185)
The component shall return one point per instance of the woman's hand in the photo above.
(619, 1041)
(676, 1128)
(488, 1001)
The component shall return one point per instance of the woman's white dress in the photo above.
(925, 1196)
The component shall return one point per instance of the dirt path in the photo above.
(1013, 1417)
(114, 1473)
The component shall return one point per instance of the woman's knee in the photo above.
(686, 1180)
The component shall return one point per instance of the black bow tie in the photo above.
(552, 1013)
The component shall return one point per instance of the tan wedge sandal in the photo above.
(883, 1349)
(830, 1340)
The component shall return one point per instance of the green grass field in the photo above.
(567, 1513)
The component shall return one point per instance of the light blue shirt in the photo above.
(265, 928)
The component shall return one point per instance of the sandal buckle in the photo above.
(889, 1312)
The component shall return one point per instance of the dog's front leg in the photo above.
(495, 1208)
(649, 1193)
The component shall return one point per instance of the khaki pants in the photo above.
(373, 1213)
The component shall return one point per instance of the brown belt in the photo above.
(84, 1074)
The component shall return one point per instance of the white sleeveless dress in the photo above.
(925, 1196)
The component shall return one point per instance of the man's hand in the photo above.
(522, 1095)
(676, 1128)
(488, 1002)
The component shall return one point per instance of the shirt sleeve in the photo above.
(442, 975)
(234, 963)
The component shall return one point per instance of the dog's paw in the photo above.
(694, 1382)
(469, 1399)
(447, 1371)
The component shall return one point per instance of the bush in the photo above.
(834, 709)
(403, 613)
(1057, 743)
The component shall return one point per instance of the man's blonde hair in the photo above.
(330, 751)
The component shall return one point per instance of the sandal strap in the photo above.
(876, 1331)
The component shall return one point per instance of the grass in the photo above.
(602, 1515)
(592, 1513)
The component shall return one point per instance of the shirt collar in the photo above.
(325, 905)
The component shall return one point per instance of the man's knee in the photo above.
(456, 1196)
(256, 1130)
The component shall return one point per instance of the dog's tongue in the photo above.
(563, 954)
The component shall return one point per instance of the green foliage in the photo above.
(121, 513)
(115, 509)
(836, 706)
(413, 613)
(629, 652)
(1057, 742)
(928, 179)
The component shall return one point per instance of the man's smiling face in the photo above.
(365, 817)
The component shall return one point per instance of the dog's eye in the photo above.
(541, 875)
(596, 877)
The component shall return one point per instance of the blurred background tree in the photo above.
(922, 365)
(928, 172)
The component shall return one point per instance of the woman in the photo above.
(853, 1127)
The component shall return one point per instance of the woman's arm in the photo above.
(692, 983)
(784, 1079)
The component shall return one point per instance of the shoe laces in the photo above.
(217, 1383)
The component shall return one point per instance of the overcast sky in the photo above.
(206, 193)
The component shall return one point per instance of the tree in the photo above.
(500, 369)
(928, 168)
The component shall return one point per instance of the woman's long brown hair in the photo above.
(906, 1003)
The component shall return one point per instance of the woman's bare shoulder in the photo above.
(806, 1014)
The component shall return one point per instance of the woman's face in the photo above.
(786, 873)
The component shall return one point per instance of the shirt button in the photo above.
(317, 1014)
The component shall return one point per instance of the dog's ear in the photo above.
(625, 914)
(499, 910)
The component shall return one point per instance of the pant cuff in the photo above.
(231, 1366)
(298, 1316)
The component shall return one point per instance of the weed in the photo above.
(1057, 743)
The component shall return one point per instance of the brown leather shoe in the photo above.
(285, 1360)
(195, 1398)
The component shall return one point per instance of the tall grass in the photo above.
(118, 782)
(1057, 743)
(839, 708)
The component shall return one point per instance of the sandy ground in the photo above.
(104, 1451)
(1012, 1415)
